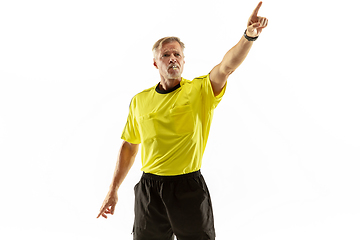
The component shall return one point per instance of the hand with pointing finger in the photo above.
(109, 204)
(255, 23)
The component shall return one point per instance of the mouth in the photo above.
(173, 67)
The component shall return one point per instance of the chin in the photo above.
(174, 76)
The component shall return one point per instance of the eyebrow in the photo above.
(171, 50)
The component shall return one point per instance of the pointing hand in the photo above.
(255, 23)
(108, 206)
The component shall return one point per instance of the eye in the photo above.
(178, 55)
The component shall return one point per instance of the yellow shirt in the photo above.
(173, 127)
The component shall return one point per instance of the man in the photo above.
(172, 121)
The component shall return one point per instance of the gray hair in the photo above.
(160, 42)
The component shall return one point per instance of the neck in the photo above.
(167, 84)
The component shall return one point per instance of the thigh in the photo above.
(151, 221)
(190, 210)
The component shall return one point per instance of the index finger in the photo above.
(102, 210)
(256, 10)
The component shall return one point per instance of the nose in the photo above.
(173, 58)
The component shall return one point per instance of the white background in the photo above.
(283, 152)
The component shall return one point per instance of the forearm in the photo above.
(236, 55)
(126, 158)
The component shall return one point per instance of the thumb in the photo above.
(112, 209)
(252, 30)
(253, 26)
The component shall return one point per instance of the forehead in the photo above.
(171, 46)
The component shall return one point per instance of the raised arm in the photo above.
(125, 161)
(236, 55)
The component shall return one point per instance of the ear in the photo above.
(155, 64)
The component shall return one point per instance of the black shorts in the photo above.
(168, 205)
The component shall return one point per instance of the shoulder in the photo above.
(141, 96)
(145, 93)
(201, 80)
(198, 81)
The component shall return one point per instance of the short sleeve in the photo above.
(131, 130)
(208, 93)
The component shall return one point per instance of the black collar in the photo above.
(158, 90)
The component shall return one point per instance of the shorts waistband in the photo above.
(171, 178)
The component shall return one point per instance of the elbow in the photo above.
(131, 148)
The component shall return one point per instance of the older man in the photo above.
(172, 122)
